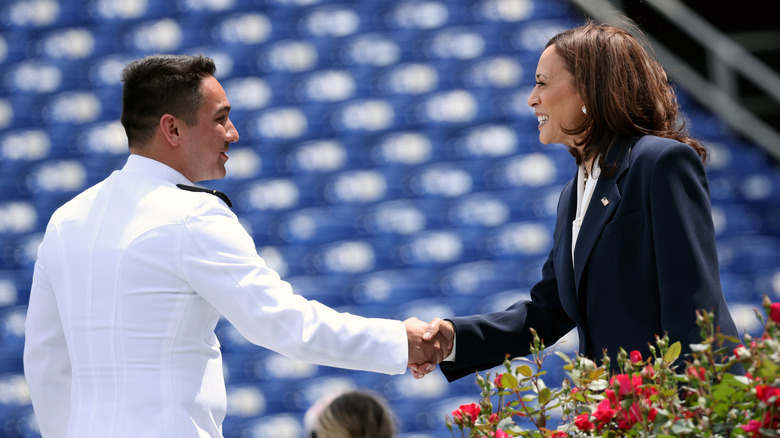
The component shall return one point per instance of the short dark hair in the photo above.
(625, 89)
(158, 85)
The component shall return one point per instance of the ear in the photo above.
(170, 129)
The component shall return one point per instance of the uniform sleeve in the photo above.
(684, 240)
(219, 260)
(46, 361)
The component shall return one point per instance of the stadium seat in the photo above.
(12, 336)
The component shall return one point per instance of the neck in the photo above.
(588, 166)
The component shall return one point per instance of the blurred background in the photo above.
(388, 164)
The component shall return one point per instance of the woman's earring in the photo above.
(584, 110)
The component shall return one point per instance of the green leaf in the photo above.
(673, 352)
(545, 395)
(506, 423)
(563, 356)
(509, 381)
(580, 398)
(525, 370)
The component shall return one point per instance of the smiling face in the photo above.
(207, 141)
(555, 101)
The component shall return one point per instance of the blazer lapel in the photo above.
(567, 290)
(603, 203)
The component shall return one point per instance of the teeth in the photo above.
(542, 118)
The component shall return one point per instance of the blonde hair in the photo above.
(356, 414)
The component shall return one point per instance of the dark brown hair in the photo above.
(158, 85)
(625, 90)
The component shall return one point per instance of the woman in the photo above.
(355, 414)
(634, 251)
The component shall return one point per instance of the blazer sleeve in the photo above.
(219, 260)
(484, 341)
(685, 249)
(47, 366)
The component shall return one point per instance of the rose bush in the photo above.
(660, 396)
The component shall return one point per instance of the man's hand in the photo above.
(436, 343)
(425, 345)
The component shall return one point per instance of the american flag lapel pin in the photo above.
(605, 201)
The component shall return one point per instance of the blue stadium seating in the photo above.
(389, 166)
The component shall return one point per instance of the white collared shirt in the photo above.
(130, 281)
(585, 188)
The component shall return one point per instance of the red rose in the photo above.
(648, 391)
(771, 421)
(604, 412)
(610, 394)
(752, 428)
(559, 434)
(623, 423)
(765, 393)
(467, 413)
(636, 357)
(626, 383)
(497, 381)
(699, 374)
(742, 353)
(634, 413)
(583, 422)
(774, 312)
(501, 434)
(493, 418)
(651, 415)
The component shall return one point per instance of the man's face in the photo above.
(206, 143)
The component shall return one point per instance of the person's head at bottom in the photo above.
(355, 414)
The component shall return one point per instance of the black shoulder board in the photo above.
(216, 193)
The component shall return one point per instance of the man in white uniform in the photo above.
(133, 274)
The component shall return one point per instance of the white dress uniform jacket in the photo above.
(130, 281)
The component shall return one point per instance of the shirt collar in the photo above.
(140, 164)
(595, 170)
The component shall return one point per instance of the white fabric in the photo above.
(585, 188)
(130, 281)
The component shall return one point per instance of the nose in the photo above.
(533, 98)
(232, 132)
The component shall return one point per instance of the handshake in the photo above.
(429, 344)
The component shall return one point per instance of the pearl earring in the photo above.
(584, 110)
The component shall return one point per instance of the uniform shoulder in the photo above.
(78, 204)
(216, 193)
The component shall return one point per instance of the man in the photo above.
(133, 274)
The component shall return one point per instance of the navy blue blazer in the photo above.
(645, 261)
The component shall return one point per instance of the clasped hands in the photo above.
(429, 344)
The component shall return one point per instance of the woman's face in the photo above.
(556, 103)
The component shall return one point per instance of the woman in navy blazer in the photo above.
(634, 252)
